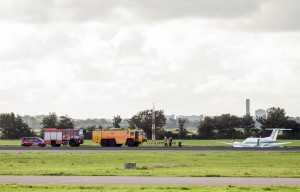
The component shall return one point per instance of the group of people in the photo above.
(166, 141)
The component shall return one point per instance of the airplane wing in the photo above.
(226, 143)
(274, 144)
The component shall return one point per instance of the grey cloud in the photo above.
(123, 10)
(278, 15)
(169, 9)
(30, 46)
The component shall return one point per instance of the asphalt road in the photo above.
(99, 149)
(150, 181)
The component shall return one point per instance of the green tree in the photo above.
(248, 123)
(275, 118)
(226, 125)
(87, 132)
(143, 120)
(182, 130)
(65, 122)
(294, 133)
(206, 128)
(222, 127)
(116, 121)
(13, 127)
(50, 121)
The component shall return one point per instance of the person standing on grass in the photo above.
(166, 141)
(170, 141)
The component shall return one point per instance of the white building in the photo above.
(191, 118)
(260, 112)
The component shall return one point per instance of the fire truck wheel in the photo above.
(53, 143)
(136, 144)
(130, 143)
(72, 143)
(112, 143)
(104, 143)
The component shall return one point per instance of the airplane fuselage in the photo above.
(255, 142)
(261, 142)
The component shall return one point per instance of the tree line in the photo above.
(225, 126)
(228, 126)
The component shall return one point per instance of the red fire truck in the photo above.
(57, 137)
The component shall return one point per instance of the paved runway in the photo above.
(150, 181)
(100, 149)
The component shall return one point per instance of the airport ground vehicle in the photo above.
(57, 137)
(32, 141)
(116, 137)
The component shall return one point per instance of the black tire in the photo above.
(72, 143)
(136, 144)
(130, 143)
(104, 143)
(119, 145)
(77, 144)
(57, 145)
(53, 143)
(112, 143)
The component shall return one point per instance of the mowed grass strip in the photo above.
(113, 188)
(161, 163)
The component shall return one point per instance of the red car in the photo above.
(32, 141)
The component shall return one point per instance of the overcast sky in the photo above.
(102, 58)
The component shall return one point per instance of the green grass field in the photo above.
(45, 188)
(160, 163)
(185, 143)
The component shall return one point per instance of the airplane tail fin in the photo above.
(274, 133)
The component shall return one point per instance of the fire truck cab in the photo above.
(57, 137)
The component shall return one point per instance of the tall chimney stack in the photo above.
(247, 106)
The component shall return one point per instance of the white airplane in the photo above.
(261, 142)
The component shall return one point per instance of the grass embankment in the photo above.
(162, 163)
(185, 143)
(45, 188)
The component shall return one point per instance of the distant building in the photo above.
(260, 112)
(247, 106)
(170, 117)
(191, 118)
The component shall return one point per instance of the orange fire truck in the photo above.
(57, 137)
(116, 137)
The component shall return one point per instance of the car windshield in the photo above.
(39, 140)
